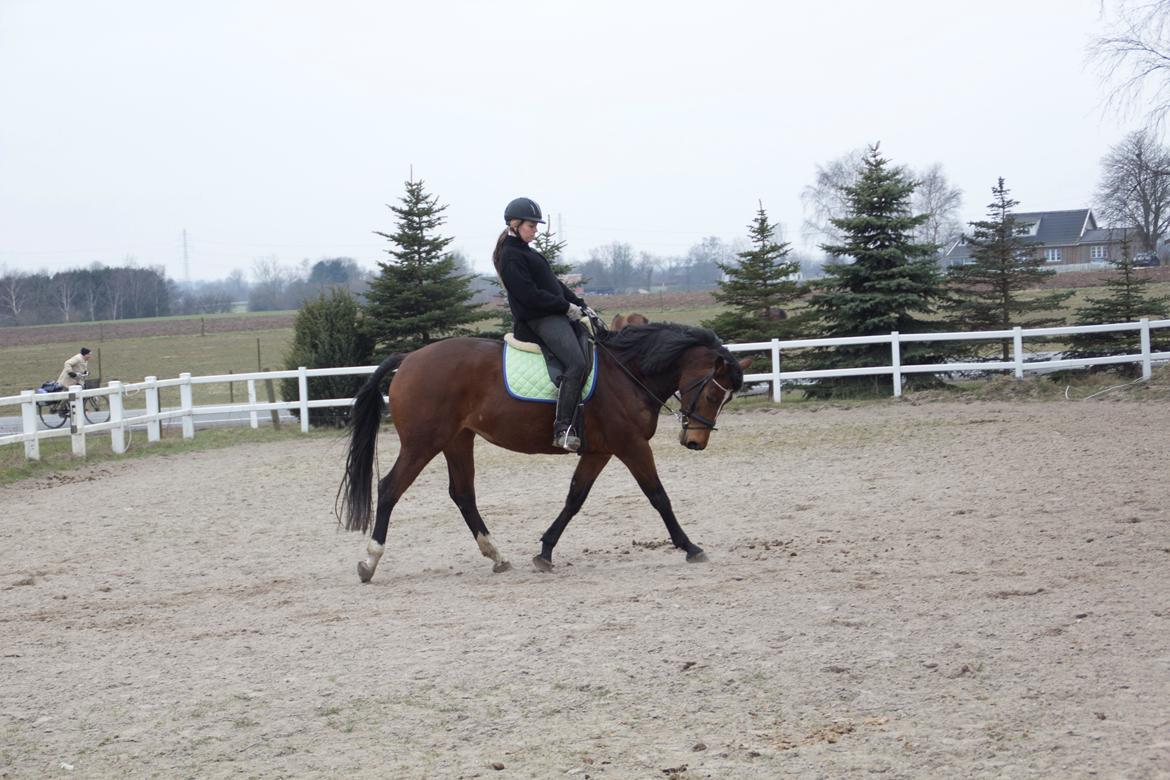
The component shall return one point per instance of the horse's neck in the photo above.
(662, 386)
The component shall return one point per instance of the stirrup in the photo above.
(566, 440)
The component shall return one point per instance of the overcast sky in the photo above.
(277, 128)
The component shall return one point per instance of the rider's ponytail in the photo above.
(499, 247)
(508, 231)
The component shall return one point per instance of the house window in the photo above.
(1097, 252)
(1052, 255)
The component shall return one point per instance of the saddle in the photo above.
(529, 371)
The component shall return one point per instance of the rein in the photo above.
(683, 417)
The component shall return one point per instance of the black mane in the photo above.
(656, 348)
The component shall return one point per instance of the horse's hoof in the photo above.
(365, 573)
(501, 567)
(542, 564)
(699, 557)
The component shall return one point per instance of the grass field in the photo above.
(131, 359)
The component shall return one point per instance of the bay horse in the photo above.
(445, 394)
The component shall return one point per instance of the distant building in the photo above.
(1071, 240)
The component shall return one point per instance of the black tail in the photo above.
(368, 409)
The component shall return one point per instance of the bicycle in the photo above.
(96, 409)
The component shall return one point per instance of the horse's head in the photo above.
(709, 378)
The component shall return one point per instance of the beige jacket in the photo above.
(78, 365)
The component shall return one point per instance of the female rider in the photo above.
(544, 310)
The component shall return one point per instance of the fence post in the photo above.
(118, 432)
(776, 370)
(185, 405)
(1147, 369)
(303, 392)
(1018, 351)
(28, 419)
(896, 354)
(153, 427)
(77, 420)
(255, 418)
(272, 399)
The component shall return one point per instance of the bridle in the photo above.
(689, 413)
(685, 416)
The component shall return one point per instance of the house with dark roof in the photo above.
(1069, 240)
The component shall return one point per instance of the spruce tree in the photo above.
(1126, 300)
(418, 296)
(758, 287)
(889, 285)
(328, 333)
(988, 291)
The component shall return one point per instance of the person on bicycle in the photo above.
(76, 369)
(544, 310)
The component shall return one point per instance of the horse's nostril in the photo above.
(693, 445)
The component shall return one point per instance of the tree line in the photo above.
(129, 291)
(95, 293)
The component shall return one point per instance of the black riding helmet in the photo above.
(523, 208)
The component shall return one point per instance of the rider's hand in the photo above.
(574, 313)
(72, 375)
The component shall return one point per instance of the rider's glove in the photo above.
(574, 313)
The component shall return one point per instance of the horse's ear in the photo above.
(619, 322)
(720, 362)
(637, 319)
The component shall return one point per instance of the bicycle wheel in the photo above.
(53, 414)
(96, 410)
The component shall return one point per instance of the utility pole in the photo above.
(186, 260)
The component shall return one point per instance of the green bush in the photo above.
(327, 333)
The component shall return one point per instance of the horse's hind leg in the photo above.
(460, 454)
(406, 468)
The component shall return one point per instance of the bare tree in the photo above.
(14, 293)
(1133, 58)
(940, 202)
(824, 200)
(64, 290)
(618, 261)
(1135, 188)
(270, 281)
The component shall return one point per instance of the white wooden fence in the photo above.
(1018, 365)
(118, 424)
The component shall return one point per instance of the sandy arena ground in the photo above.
(896, 590)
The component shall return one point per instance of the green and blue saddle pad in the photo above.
(526, 376)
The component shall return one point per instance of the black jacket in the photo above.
(533, 289)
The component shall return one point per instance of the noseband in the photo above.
(689, 413)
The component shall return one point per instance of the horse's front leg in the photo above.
(588, 468)
(640, 462)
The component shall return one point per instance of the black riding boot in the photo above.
(568, 396)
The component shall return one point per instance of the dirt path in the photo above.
(975, 590)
